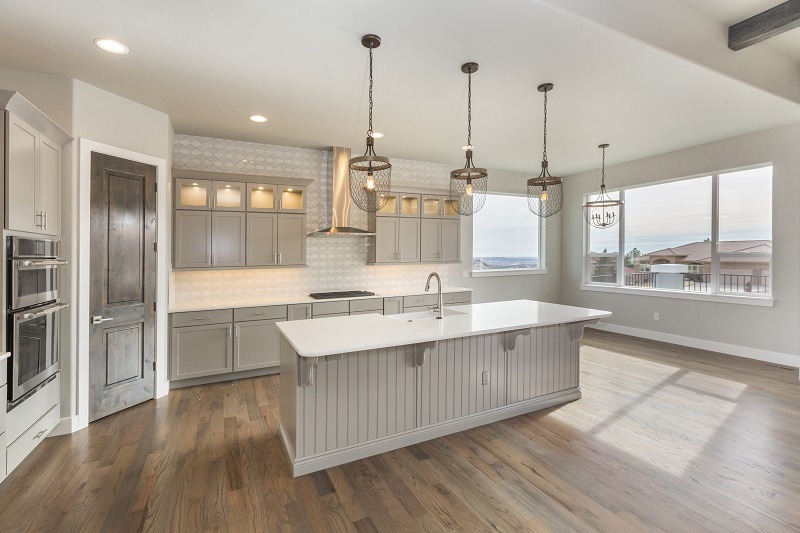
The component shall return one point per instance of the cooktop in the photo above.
(340, 294)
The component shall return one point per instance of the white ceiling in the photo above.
(212, 64)
(730, 12)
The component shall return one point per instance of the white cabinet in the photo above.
(33, 183)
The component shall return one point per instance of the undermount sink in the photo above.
(425, 315)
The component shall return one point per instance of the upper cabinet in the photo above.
(265, 225)
(33, 179)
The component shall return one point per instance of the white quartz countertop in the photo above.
(298, 299)
(335, 335)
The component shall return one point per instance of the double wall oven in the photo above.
(33, 314)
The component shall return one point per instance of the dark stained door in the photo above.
(122, 284)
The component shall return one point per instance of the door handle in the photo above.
(280, 257)
(275, 257)
(98, 319)
(213, 259)
(40, 216)
(45, 220)
(230, 332)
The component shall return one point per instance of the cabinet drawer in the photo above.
(416, 309)
(370, 304)
(368, 312)
(331, 315)
(20, 419)
(25, 443)
(457, 298)
(272, 312)
(198, 318)
(330, 308)
(421, 299)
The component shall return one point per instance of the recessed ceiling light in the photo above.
(258, 118)
(377, 135)
(112, 46)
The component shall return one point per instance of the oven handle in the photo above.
(38, 263)
(43, 312)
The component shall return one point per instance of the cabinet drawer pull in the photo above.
(280, 257)
(202, 318)
(230, 332)
(257, 314)
(38, 435)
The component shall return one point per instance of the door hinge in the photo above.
(156, 184)
(154, 366)
(155, 246)
(154, 306)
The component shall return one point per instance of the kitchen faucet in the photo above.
(440, 307)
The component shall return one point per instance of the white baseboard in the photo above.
(702, 344)
(321, 461)
(65, 426)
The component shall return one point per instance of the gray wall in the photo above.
(772, 329)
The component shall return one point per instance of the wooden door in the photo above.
(291, 239)
(257, 344)
(122, 288)
(21, 154)
(451, 240)
(387, 230)
(262, 239)
(192, 241)
(430, 239)
(48, 194)
(228, 239)
(408, 240)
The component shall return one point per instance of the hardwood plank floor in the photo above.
(664, 439)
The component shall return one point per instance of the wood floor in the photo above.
(664, 439)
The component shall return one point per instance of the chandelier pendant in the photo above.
(370, 174)
(603, 212)
(468, 184)
(545, 192)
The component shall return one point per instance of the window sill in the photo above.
(508, 272)
(762, 301)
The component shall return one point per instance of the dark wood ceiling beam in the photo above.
(771, 22)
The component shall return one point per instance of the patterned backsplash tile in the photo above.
(333, 263)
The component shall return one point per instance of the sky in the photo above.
(676, 213)
(505, 227)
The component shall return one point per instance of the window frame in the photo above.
(541, 269)
(714, 293)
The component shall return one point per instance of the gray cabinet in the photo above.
(192, 246)
(262, 239)
(299, 312)
(193, 194)
(198, 351)
(392, 306)
(33, 183)
(228, 239)
(256, 345)
(440, 240)
(397, 240)
(228, 196)
(291, 239)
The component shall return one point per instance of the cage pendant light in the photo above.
(603, 212)
(545, 192)
(370, 174)
(468, 184)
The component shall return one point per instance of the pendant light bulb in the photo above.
(543, 197)
(370, 182)
(468, 190)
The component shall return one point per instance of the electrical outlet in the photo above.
(465, 273)
(485, 377)
(656, 316)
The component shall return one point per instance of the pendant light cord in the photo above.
(603, 173)
(544, 153)
(469, 109)
(369, 130)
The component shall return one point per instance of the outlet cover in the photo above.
(465, 273)
(485, 377)
(656, 316)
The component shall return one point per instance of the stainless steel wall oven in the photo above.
(33, 314)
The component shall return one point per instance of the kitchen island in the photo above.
(356, 386)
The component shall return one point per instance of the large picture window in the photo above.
(506, 236)
(710, 234)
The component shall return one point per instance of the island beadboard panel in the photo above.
(333, 264)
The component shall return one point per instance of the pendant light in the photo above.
(468, 184)
(370, 174)
(603, 212)
(545, 192)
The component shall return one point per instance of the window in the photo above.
(506, 236)
(711, 234)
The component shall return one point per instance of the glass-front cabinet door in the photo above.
(391, 207)
(228, 196)
(431, 206)
(293, 199)
(409, 205)
(262, 197)
(450, 208)
(192, 194)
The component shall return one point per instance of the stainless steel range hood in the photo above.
(338, 194)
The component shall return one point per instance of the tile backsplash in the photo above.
(333, 263)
